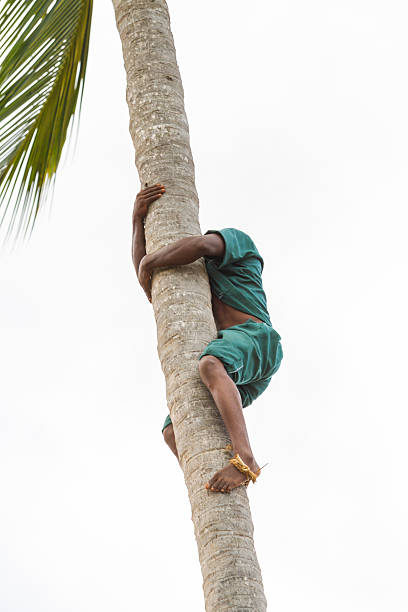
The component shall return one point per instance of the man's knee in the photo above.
(210, 369)
(168, 434)
(169, 438)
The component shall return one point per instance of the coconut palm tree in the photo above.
(44, 47)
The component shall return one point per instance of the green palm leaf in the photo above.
(43, 51)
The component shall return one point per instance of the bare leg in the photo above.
(228, 402)
(168, 435)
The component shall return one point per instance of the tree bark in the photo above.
(182, 306)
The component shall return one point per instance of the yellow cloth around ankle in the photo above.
(242, 467)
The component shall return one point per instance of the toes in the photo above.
(213, 480)
(223, 485)
(211, 484)
(215, 485)
(219, 485)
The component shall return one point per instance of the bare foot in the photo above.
(230, 477)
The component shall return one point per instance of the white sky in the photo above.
(299, 130)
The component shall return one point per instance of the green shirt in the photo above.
(236, 279)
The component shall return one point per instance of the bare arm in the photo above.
(138, 242)
(185, 251)
(180, 253)
(143, 200)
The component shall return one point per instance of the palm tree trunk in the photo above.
(182, 305)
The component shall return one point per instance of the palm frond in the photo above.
(43, 52)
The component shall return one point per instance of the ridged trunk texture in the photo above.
(182, 306)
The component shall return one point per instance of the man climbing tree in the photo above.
(41, 80)
(238, 365)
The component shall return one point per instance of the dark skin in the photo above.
(212, 370)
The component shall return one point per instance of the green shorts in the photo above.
(251, 353)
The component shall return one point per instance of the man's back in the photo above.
(236, 280)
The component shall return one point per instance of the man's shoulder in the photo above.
(239, 246)
(230, 231)
(234, 237)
